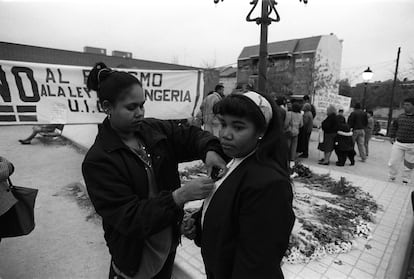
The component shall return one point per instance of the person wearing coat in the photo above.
(244, 225)
(330, 128)
(344, 145)
(131, 175)
(306, 131)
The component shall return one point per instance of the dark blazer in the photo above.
(247, 224)
(117, 184)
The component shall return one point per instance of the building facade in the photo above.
(295, 67)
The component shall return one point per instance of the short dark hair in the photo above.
(296, 107)
(357, 106)
(218, 87)
(280, 100)
(306, 98)
(370, 112)
(409, 100)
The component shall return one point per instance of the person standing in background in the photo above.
(358, 122)
(306, 100)
(402, 137)
(206, 115)
(293, 123)
(369, 130)
(330, 129)
(305, 131)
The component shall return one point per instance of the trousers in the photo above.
(359, 138)
(401, 152)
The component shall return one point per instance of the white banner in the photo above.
(35, 93)
(323, 100)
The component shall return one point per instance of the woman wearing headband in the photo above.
(244, 225)
(131, 174)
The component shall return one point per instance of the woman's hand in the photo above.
(195, 189)
(188, 227)
(214, 160)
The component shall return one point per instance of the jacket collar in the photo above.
(112, 141)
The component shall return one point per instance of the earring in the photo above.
(108, 114)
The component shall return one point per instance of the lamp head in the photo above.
(367, 75)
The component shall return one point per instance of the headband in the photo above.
(262, 103)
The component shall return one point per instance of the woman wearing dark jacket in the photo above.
(344, 145)
(329, 127)
(131, 174)
(244, 226)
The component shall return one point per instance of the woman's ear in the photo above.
(107, 107)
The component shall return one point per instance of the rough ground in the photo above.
(64, 244)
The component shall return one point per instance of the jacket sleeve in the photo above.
(6, 168)
(394, 128)
(266, 220)
(190, 142)
(365, 120)
(288, 119)
(119, 207)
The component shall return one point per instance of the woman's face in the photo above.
(238, 135)
(129, 110)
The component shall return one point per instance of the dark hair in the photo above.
(273, 147)
(370, 112)
(409, 100)
(296, 107)
(280, 101)
(306, 98)
(357, 106)
(340, 119)
(218, 87)
(109, 84)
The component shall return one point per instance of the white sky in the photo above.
(200, 33)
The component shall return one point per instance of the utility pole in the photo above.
(263, 47)
(392, 93)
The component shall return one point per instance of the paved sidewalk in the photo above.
(380, 257)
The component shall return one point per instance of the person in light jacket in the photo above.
(293, 122)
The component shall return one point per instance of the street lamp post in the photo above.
(268, 6)
(366, 76)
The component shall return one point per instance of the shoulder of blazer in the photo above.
(256, 175)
